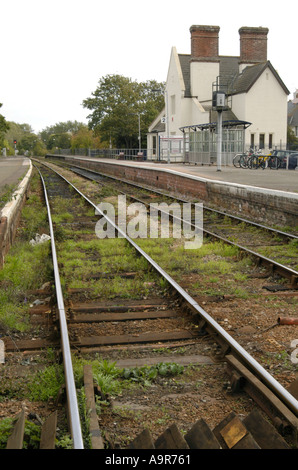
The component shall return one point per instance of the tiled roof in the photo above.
(228, 67)
(185, 67)
(229, 71)
(292, 114)
(159, 127)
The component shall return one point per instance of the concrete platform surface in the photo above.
(12, 169)
(281, 180)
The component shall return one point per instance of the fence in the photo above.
(196, 148)
(125, 154)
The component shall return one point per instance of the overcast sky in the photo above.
(53, 52)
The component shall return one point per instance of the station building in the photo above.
(255, 114)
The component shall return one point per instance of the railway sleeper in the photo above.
(252, 432)
(233, 432)
(242, 379)
(47, 437)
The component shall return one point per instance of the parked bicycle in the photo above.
(245, 161)
(240, 159)
(236, 159)
(264, 161)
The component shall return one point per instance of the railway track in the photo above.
(103, 315)
(273, 248)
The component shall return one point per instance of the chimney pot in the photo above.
(204, 42)
(253, 44)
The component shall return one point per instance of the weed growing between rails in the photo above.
(133, 221)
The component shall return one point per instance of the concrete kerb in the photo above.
(233, 187)
(10, 215)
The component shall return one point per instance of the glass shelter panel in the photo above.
(201, 143)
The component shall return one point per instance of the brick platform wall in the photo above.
(264, 206)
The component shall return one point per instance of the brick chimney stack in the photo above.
(204, 42)
(253, 45)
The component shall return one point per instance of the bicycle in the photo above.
(240, 159)
(244, 160)
(246, 157)
(264, 161)
(236, 159)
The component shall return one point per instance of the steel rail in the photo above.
(216, 211)
(272, 383)
(74, 417)
(285, 270)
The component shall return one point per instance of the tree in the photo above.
(4, 126)
(61, 141)
(50, 135)
(27, 143)
(19, 132)
(85, 138)
(292, 140)
(116, 104)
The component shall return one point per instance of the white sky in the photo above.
(53, 52)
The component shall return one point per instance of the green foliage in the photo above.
(46, 383)
(292, 140)
(31, 436)
(6, 194)
(106, 375)
(145, 375)
(84, 138)
(115, 106)
(6, 427)
(59, 141)
(65, 442)
(4, 126)
(59, 134)
(31, 433)
(108, 384)
(26, 266)
(27, 141)
(84, 416)
(34, 216)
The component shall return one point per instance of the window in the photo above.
(173, 104)
(252, 141)
(154, 142)
(270, 141)
(262, 141)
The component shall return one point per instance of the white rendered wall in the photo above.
(265, 106)
(202, 76)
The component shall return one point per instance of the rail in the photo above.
(280, 391)
(285, 271)
(74, 417)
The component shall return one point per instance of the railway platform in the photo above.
(12, 169)
(280, 180)
(15, 171)
(266, 196)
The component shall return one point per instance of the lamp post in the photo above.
(219, 139)
(139, 118)
(219, 104)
